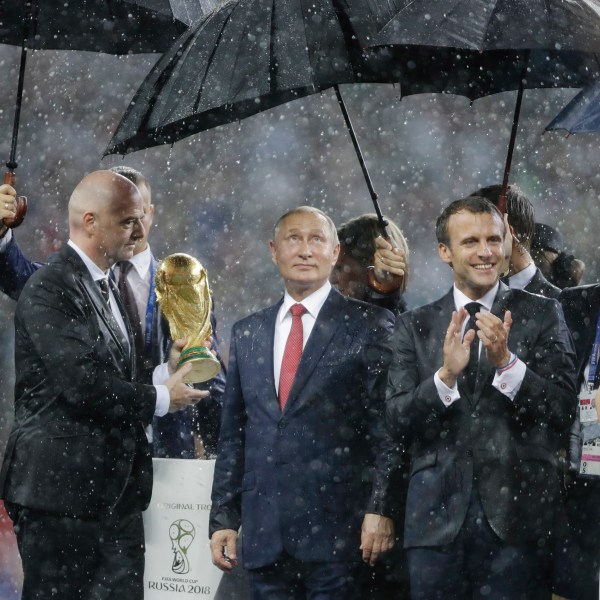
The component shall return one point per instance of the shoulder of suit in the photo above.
(531, 298)
(257, 317)
(582, 291)
(366, 308)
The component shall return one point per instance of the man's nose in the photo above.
(305, 249)
(484, 249)
(138, 230)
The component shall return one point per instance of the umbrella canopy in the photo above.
(582, 114)
(249, 56)
(111, 26)
(488, 46)
(474, 47)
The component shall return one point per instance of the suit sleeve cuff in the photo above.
(163, 401)
(508, 381)
(447, 395)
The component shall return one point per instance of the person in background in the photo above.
(481, 389)
(362, 248)
(547, 250)
(582, 314)
(77, 472)
(174, 435)
(523, 273)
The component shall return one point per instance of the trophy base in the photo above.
(204, 365)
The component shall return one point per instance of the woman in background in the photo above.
(369, 267)
(373, 269)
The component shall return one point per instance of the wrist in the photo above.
(447, 377)
(507, 363)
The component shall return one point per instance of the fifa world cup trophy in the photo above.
(184, 298)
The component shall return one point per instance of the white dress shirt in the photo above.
(520, 280)
(507, 382)
(283, 323)
(139, 281)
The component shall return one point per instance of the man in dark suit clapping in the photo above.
(481, 390)
(77, 471)
(303, 457)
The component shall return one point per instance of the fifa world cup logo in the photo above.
(182, 534)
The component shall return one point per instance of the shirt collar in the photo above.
(95, 271)
(520, 280)
(312, 303)
(141, 262)
(487, 300)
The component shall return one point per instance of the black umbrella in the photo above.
(247, 57)
(110, 26)
(582, 114)
(474, 48)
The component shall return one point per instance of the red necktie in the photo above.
(291, 354)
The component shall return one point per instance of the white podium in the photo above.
(178, 564)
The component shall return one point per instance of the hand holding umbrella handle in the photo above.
(394, 282)
(21, 204)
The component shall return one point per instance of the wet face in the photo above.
(304, 252)
(349, 277)
(147, 219)
(118, 228)
(475, 252)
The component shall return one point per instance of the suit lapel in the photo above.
(262, 346)
(94, 296)
(329, 319)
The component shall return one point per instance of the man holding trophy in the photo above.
(77, 472)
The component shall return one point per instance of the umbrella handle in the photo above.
(395, 282)
(21, 204)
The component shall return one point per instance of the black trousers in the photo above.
(77, 559)
(583, 509)
(478, 565)
(293, 579)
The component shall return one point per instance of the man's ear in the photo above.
(272, 251)
(336, 253)
(89, 221)
(445, 254)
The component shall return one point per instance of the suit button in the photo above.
(469, 452)
(476, 414)
(282, 424)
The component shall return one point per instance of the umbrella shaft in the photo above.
(29, 12)
(361, 160)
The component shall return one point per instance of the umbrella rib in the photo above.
(396, 15)
(209, 62)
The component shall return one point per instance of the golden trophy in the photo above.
(184, 298)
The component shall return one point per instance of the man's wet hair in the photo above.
(306, 209)
(472, 204)
(132, 174)
(521, 216)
